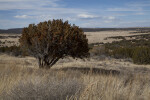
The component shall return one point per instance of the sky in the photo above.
(83, 13)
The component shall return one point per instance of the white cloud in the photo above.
(107, 21)
(27, 0)
(9, 0)
(132, 6)
(27, 4)
(87, 16)
(12, 24)
(22, 16)
(111, 17)
(139, 4)
(124, 9)
(140, 23)
(140, 13)
(40, 10)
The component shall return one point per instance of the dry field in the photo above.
(101, 36)
(93, 37)
(95, 78)
(74, 80)
(9, 39)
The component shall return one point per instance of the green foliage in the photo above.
(128, 43)
(13, 50)
(51, 40)
(137, 50)
(141, 55)
(122, 52)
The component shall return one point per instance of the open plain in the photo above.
(98, 77)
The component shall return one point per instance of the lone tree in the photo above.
(52, 40)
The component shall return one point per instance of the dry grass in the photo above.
(101, 36)
(117, 88)
(36, 84)
(24, 83)
(98, 78)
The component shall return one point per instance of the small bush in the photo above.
(141, 55)
(12, 50)
(122, 53)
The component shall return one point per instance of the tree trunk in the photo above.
(40, 63)
(45, 64)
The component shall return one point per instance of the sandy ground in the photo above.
(94, 37)
(9, 41)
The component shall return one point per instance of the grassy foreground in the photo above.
(23, 83)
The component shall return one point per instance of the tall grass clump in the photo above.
(126, 87)
(36, 84)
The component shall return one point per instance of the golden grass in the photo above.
(117, 88)
(22, 83)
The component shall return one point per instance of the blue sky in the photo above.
(84, 13)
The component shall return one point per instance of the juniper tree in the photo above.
(50, 41)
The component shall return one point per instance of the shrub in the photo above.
(141, 55)
(98, 51)
(122, 52)
(137, 50)
(13, 50)
(52, 40)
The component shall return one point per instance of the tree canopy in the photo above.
(51, 40)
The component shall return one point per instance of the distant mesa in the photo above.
(14, 30)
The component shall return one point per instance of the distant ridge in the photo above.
(19, 30)
(14, 30)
